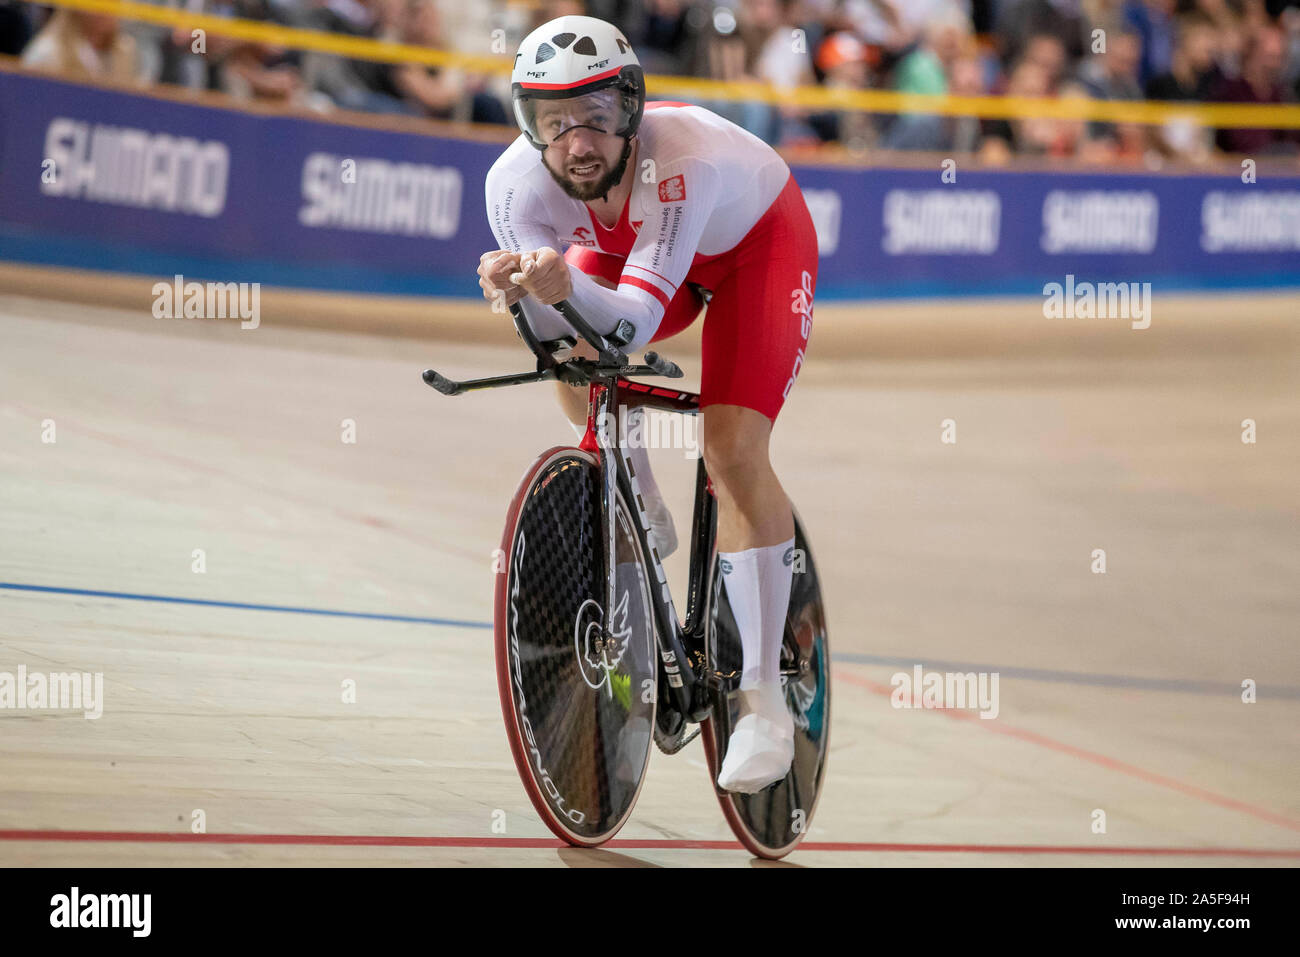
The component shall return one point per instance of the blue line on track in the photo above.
(1031, 674)
(245, 606)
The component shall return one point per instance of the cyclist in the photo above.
(660, 206)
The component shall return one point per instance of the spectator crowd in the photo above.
(1231, 51)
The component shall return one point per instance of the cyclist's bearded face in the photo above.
(583, 154)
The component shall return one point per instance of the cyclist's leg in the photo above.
(753, 510)
(753, 347)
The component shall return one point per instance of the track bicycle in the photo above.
(593, 662)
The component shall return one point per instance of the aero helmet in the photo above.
(585, 60)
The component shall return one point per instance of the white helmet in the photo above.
(572, 57)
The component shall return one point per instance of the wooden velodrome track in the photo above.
(1119, 692)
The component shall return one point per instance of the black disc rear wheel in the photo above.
(772, 822)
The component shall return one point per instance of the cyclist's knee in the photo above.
(735, 444)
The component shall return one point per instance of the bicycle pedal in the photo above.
(795, 666)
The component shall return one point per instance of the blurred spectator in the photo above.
(549, 10)
(1231, 31)
(877, 22)
(1289, 21)
(255, 71)
(723, 54)
(926, 71)
(442, 93)
(949, 134)
(916, 16)
(780, 57)
(1260, 82)
(1047, 50)
(356, 84)
(1003, 138)
(1075, 139)
(187, 61)
(1193, 64)
(81, 45)
(1018, 20)
(665, 35)
(15, 28)
(1152, 21)
(1242, 51)
(1189, 78)
(845, 63)
(963, 134)
(1113, 75)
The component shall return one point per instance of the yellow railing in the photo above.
(1222, 115)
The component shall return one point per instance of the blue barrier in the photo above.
(101, 179)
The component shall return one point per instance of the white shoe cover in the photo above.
(761, 748)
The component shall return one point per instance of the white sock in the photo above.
(761, 747)
(758, 582)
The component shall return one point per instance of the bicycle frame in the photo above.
(690, 685)
(683, 646)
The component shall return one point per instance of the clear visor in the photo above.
(546, 120)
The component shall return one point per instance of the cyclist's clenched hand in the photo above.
(545, 275)
(494, 270)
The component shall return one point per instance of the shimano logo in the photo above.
(941, 221)
(1257, 222)
(1099, 221)
(376, 196)
(124, 166)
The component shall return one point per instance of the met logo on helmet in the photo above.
(597, 66)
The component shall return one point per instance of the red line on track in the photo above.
(1099, 759)
(379, 840)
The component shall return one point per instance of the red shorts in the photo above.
(760, 315)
